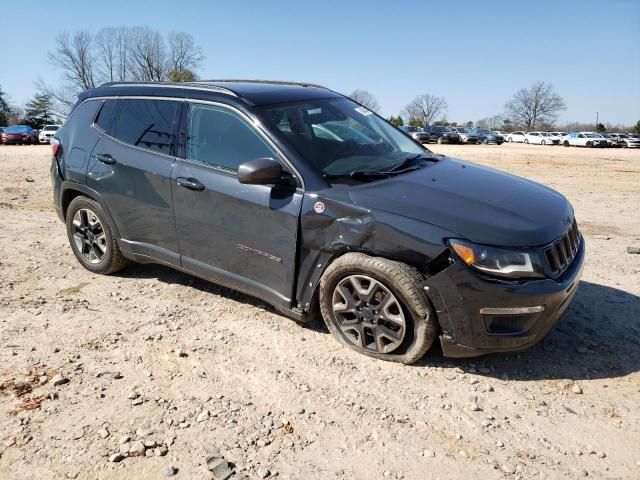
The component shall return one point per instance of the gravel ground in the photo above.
(152, 373)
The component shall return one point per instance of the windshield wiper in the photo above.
(404, 166)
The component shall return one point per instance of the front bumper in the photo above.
(459, 295)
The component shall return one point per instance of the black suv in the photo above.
(298, 195)
(439, 134)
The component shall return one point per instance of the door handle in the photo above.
(190, 183)
(105, 158)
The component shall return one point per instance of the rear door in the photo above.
(244, 236)
(131, 168)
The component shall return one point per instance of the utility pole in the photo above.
(596, 121)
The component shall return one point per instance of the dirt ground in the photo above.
(167, 367)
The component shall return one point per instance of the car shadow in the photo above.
(598, 336)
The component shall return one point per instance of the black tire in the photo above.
(498, 143)
(403, 282)
(566, 143)
(589, 144)
(509, 140)
(543, 142)
(526, 140)
(112, 259)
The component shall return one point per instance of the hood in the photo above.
(473, 202)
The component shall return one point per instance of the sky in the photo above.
(475, 54)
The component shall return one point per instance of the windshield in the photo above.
(16, 129)
(338, 136)
(51, 127)
(591, 135)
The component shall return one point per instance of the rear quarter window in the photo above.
(106, 115)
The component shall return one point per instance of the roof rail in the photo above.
(275, 82)
(190, 85)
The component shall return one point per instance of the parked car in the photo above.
(226, 181)
(584, 139)
(516, 137)
(20, 135)
(47, 133)
(417, 133)
(626, 141)
(612, 141)
(465, 135)
(440, 134)
(559, 134)
(541, 138)
(487, 136)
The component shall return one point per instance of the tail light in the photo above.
(55, 146)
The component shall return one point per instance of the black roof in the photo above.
(253, 92)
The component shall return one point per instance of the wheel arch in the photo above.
(71, 190)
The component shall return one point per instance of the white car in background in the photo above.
(541, 138)
(517, 137)
(626, 141)
(47, 133)
(584, 139)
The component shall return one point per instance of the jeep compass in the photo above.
(297, 195)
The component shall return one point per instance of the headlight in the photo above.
(497, 261)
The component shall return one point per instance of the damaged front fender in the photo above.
(331, 225)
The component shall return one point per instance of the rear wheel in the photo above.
(526, 140)
(543, 142)
(566, 143)
(589, 144)
(91, 237)
(509, 140)
(377, 307)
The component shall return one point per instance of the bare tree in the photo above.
(366, 99)
(425, 108)
(491, 123)
(112, 46)
(148, 55)
(535, 106)
(74, 55)
(184, 55)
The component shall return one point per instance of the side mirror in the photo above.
(262, 171)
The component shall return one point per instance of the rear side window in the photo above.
(219, 137)
(105, 116)
(147, 124)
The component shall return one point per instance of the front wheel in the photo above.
(377, 307)
(526, 141)
(91, 237)
(566, 143)
(509, 140)
(439, 141)
(543, 142)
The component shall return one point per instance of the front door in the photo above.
(243, 236)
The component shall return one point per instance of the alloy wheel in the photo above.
(89, 236)
(368, 314)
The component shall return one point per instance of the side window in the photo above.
(220, 137)
(147, 124)
(105, 116)
(580, 136)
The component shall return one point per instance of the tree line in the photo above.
(87, 60)
(532, 108)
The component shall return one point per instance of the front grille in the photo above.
(560, 254)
